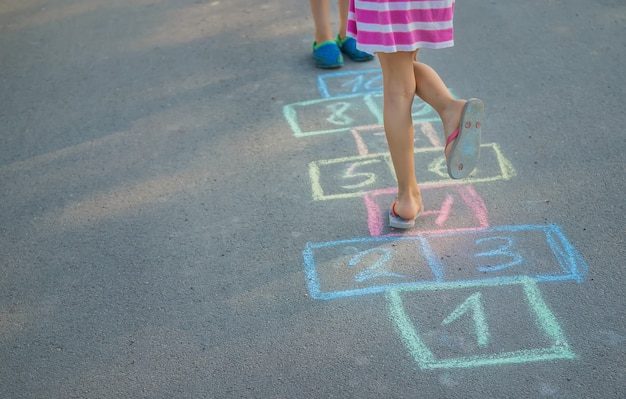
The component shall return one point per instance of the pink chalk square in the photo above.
(446, 209)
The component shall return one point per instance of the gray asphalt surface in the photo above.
(164, 233)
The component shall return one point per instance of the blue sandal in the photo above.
(348, 47)
(327, 55)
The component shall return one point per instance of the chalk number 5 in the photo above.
(367, 178)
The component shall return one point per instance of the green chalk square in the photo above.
(544, 320)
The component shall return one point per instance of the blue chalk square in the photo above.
(364, 266)
(461, 325)
(343, 83)
(540, 252)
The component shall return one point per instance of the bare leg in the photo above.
(430, 88)
(344, 8)
(399, 90)
(320, 9)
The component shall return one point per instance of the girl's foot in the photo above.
(451, 118)
(404, 211)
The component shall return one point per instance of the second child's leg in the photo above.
(399, 91)
(326, 52)
(344, 7)
(347, 44)
(320, 9)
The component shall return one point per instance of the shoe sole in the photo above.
(465, 150)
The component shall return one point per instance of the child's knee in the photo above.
(399, 90)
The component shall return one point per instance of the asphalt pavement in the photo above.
(190, 209)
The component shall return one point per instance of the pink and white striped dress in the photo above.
(389, 26)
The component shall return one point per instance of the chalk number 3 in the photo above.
(504, 249)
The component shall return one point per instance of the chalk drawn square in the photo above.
(331, 115)
(349, 177)
(446, 209)
(462, 325)
(337, 84)
(371, 139)
(364, 266)
(431, 167)
(503, 252)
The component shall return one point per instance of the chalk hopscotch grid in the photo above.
(364, 89)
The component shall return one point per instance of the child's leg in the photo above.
(430, 88)
(320, 9)
(344, 8)
(399, 91)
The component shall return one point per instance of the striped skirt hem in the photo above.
(391, 25)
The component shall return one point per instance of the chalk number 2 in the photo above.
(377, 269)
